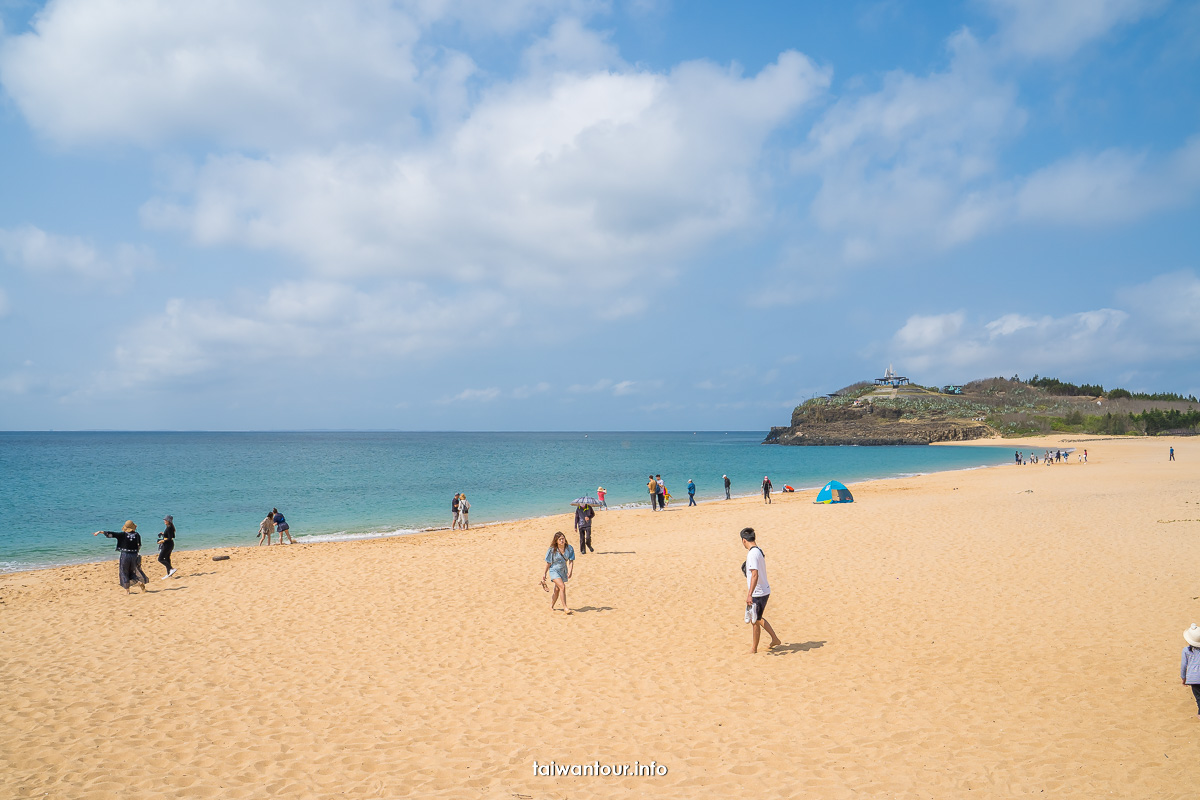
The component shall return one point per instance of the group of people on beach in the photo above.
(273, 523)
(129, 545)
(1048, 457)
(560, 568)
(460, 511)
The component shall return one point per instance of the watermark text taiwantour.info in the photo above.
(553, 769)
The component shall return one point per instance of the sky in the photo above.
(584, 214)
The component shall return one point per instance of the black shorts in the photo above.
(760, 605)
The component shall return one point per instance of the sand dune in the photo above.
(994, 633)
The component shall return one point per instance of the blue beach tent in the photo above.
(834, 492)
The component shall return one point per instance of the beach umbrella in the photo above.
(586, 500)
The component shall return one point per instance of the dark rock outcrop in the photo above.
(868, 425)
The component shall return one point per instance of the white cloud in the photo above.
(37, 251)
(949, 347)
(475, 396)
(549, 180)
(319, 322)
(624, 388)
(1112, 186)
(242, 73)
(912, 163)
(1056, 29)
(922, 332)
(915, 166)
(569, 46)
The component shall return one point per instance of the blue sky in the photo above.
(522, 214)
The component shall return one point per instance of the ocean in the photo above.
(57, 488)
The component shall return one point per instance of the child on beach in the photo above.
(600, 494)
(1189, 666)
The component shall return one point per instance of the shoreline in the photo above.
(149, 552)
(342, 537)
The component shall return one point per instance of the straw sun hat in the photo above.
(129, 526)
(1192, 635)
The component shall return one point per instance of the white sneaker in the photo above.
(164, 577)
(172, 572)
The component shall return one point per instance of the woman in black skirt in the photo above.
(129, 542)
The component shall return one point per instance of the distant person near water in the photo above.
(583, 524)
(1189, 666)
(560, 564)
(662, 491)
(726, 479)
(166, 544)
(600, 495)
(454, 512)
(129, 543)
(766, 486)
(1172, 458)
(281, 526)
(652, 486)
(464, 508)
(758, 590)
(691, 492)
(266, 529)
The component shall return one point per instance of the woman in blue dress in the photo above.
(560, 563)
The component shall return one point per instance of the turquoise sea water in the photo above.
(56, 488)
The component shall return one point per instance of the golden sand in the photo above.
(993, 633)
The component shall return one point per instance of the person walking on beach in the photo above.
(691, 492)
(560, 564)
(129, 543)
(281, 526)
(653, 487)
(166, 544)
(758, 590)
(766, 486)
(1172, 458)
(464, 508)
(265, 529)
(600, 495)
(726, 479)
(583, 523)
(1189, 667)
(662, 491)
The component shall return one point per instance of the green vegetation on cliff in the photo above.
(1007, 406)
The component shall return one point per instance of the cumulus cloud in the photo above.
(1157, 322)
(37, 251)
(549, 179)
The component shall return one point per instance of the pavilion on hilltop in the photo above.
(890, 378)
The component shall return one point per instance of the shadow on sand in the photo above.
(593, 608)
(795, 647)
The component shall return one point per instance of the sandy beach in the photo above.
(1000, 632)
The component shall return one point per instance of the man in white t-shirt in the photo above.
(758, 590)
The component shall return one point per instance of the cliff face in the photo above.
(868, 425)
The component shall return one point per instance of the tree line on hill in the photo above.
(1054, 386)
